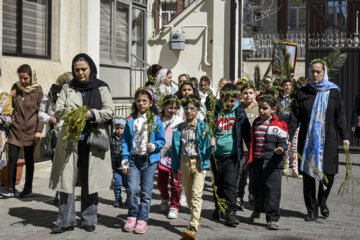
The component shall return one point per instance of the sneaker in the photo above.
(141, 227)
(173, 213)
(164, 206)
(190, 232)
(9, 192)
(26, 193)
(130, 224)
(217, 215)
(296, 175)
(199, 222)
(255, 216)
(117, 203)
(183, 201)
(285, 172)
(272, 226)
(240, 204)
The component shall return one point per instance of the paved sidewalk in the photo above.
(30, 219)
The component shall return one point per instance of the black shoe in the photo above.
(231, 219)
(58, 229)
(89, 228)
(324, 211)
(26, 193)
(310, 217)
(117, 203)
(217, 215)
(255, 216)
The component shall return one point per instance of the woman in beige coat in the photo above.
(25, 132)
(92, 164)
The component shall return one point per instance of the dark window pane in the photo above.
(105, 29)
(122, 32)
(137, 44)
(9, 26)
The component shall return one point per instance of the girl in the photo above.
(190, 152)
(268, 144)
(139, 159)
(187, 88)
(170, 121)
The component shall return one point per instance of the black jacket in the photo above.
(242, 129)
(335, 121)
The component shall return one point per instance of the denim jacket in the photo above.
(157, 138)
(203, 143)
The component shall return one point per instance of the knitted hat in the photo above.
(120, 120)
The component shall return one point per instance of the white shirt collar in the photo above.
(140, 115)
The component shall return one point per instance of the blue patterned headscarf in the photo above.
(315, 139)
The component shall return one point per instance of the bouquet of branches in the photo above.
(75, 121)
(150, 118)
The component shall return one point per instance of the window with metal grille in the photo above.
(296, 15)
(27, 28)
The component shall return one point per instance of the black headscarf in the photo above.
(92, 97)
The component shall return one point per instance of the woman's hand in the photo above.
(53, 120)
(13, 93)
(346, 142)
(212, 142)
(126, 171)
(278, 150)
(150, 147)
(88, 115)
(37, 137)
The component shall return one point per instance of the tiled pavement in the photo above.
(30, 219)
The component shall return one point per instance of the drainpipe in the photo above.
(205, 40)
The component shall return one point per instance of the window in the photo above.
(167, 12)
(253, 16)
(114, 31)
(138, 34)
(296, 15)
(336, 13)
(26, 28)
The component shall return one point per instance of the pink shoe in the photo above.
(141, 227)
(130, 224)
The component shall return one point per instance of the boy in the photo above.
(232, 128)
(268, 144)
(285, 101)
(115, 146)
(252, 111)
(190, 153)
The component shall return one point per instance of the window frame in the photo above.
(297, 8)
(19, 34)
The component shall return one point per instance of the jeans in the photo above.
(141, 173)
(89, 202)
(120, 180)
(242, 178)
(29, 163)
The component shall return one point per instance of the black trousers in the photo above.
(29, 163)
(267, 190)
(225, 179)
(309, 191)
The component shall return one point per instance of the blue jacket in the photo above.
(203, 143)
(157, 138)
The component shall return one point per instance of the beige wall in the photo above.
(191, 60)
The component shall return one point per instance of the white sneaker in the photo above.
(173, 213)
(164, 206)
(183, 201)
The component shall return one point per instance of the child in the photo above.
(252, 112)
(268, 144)
(119, 178)
(232, 128)
(140, 157)
(190, 153)
(170, 121)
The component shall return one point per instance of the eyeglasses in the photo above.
(203, 85)
(193, 109)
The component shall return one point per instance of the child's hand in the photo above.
(176, 177)
(279, 150)
(150, 147)
(212, 142)
(126, 171)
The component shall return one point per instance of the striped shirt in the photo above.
(260, 134)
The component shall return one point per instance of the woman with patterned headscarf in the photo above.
(25, 132)
(319, 110)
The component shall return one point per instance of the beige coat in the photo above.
(63, 172)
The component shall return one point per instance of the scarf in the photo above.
(90, 88)
(315, 139)
(33, 85)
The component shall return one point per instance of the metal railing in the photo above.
(333, 40)
(123, 110)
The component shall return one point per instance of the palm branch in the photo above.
(334, 61)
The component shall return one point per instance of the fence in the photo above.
(123, 110)
(333, 40)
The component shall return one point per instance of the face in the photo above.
(203, 85)
(317, 72)
(265, 110)
(143, 103)
(25, 79)
(168, 79)
(181, 80)
(222, 83)
(248, 96)
(170, 110)
(119, 130)
(187, 90)
(158, 72)
(228, 103)
(266, 85)
(287, 87)
(190, 112)
(82, 70)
